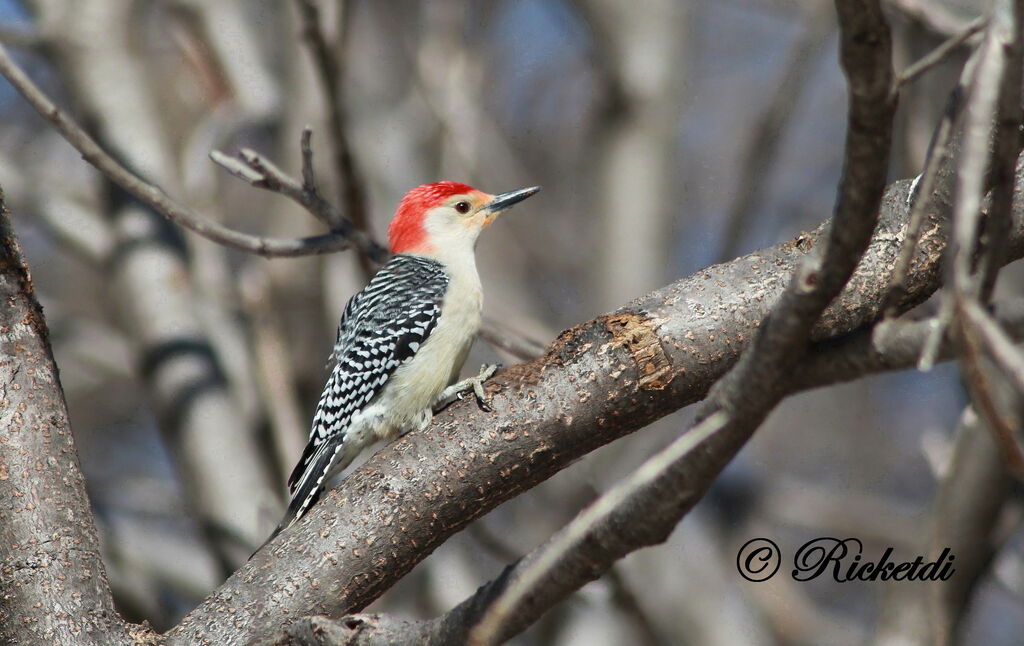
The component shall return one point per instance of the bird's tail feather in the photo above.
(310, 484)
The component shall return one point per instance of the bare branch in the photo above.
(963, 518)
(152, 195)
(255, 169)
(1000, 345)
(980, 120)
(889, 345)
(1006, 146)
(984, 385)
(922, 193)
(329, 73)
(992, 124)
(939, 54)
(608, 522)
(53, 577)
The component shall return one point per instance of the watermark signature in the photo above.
(840, 558)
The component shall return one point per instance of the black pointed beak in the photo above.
(506, 200)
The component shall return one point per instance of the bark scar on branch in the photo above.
(636, 334)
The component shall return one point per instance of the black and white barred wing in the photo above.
(382, 327)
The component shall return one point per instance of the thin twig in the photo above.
(983, 395)
(939, 54)
(1006, 149)
(329, 71)
(922, 190)
(763, 143)
(152, 195)
(257, 170)
(979, 121)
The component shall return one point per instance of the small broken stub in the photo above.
(636, 333)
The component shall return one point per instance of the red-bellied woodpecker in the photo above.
(403, 339)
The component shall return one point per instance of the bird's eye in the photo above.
(462, 207)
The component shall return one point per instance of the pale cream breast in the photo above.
(438, 362)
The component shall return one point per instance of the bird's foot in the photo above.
(476, 384)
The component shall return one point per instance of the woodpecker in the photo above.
(402, 340)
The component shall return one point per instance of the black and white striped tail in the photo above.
(309, 478)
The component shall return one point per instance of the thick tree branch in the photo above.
(53, 582)
(887, 346)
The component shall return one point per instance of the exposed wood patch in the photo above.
(636, 333)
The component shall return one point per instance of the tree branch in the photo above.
(923, 193)
(940, 53)
(257, 170)
(54, 584)
(963, 518)
(887, 346)
(152, 195)
(329, 73)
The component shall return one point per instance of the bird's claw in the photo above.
(482, 398)
(476, 384)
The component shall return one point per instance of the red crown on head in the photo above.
(406, 232)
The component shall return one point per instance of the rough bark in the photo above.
(53, 586)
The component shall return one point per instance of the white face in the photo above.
(455, 225)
